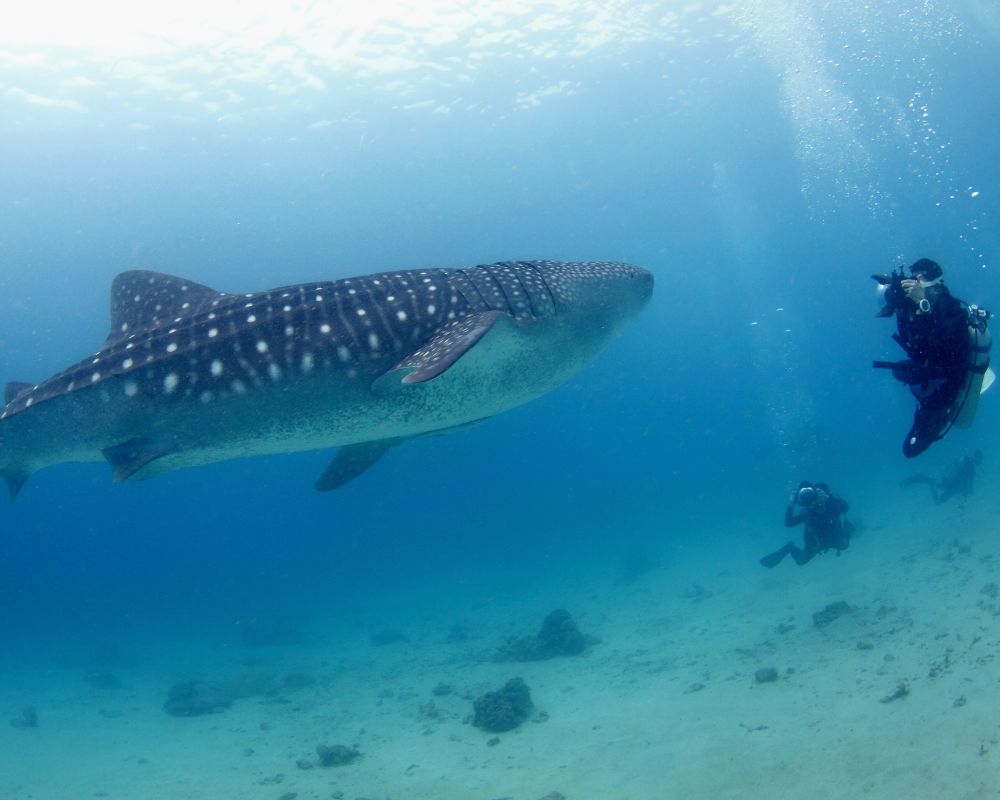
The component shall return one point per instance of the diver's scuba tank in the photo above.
(979, 376)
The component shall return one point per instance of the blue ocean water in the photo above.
(762, 159)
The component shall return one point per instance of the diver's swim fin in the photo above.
(775, 558)
(988, 378)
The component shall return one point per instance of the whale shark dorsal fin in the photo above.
(15, 388)
(450, 343)
(142, 299)
(351, 460)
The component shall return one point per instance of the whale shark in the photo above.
(189, 375)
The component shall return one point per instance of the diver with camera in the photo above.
(947, 344)
(825, 528)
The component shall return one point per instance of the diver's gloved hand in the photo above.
(901, 371)
(909, 373)
(913, 288)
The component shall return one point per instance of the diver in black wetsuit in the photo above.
(822, 512)
(956, 481)
(932, 327)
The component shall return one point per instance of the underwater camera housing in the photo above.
(891, 287)
(805, 495)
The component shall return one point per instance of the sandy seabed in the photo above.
(666, 705)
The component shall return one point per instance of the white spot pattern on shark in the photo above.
(171, 339)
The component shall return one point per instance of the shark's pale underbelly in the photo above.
(505, 370)
(324, 409)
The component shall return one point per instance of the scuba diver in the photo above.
(822, 513)
(956, 481)
(947, 344)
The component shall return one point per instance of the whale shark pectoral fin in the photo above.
(15, 388)
(351, 460)
(15, 478)
(129, 457)
(448, 345)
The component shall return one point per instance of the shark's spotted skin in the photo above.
(189, 375)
